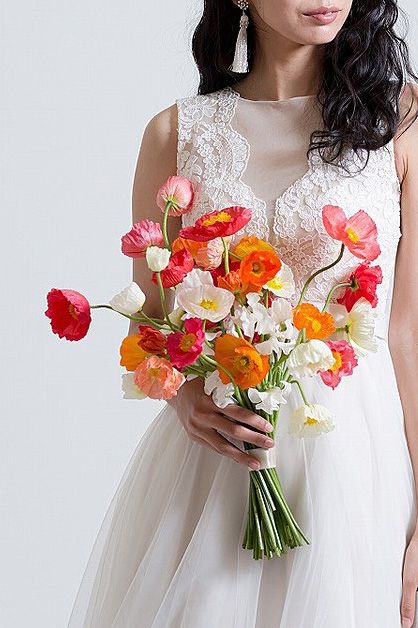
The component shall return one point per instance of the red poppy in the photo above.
(179, 265)
(69, 312)
(364, 282)
(217, 224)
(151, 340)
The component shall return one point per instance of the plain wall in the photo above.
(80, 81)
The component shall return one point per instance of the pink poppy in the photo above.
(157, 378)
(358, 233)
(210, 254)
(143, 234)
(185, 347)
(179, 265)
(364, 282)
(345, 361)
(69, 312)
(180, 192)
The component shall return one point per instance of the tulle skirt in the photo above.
(169, 553)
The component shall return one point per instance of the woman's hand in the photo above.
(202, 419)
(409, 583)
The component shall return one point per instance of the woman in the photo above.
(169, 552)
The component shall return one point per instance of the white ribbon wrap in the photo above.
(267, 457)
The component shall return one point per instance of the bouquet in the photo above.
(239, 326)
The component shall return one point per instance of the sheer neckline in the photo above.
(271, 102)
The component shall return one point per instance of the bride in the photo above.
(169, 551)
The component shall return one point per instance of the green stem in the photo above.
(156, 322)
(165, 220)
(318, 272)
(226, 255)
(163, 302)
(331, 292)
(302, 394)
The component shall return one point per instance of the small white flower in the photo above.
(244, 317)
(157, 258)
(269, 400)
(310, 420)
(176, 316)
(129, 300)
(221, 393)
(283, 284)
(308, 358)
(130, 389)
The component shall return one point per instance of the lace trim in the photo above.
(215, 156)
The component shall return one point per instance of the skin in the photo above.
(287, 64)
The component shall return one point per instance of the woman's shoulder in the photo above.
(406, 138)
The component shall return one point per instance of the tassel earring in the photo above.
(240, 63)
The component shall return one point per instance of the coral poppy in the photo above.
(132, 354)
(179, 265)
(233, 282)
(143, 234)
(180, 192)
(185, 347)
(251, 243)
(69, 312)
(247, 367)
(364, 282)
(217, 224)
(190, 245)
(151, 340)
(317, 324)
(345, 361)
(358, 233)
(220, 271)
(259, 267)
(157, 378)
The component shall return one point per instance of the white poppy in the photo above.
(361, 325)
(310, 420)
(195, 278)
(130, 389)
(308, 358)
(129, 300)
(206, 302)
(283, 284)
(157, 258)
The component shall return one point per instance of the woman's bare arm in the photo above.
(201, 418)
(156, 162)
(403, 326)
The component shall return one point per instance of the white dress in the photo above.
(169, 553)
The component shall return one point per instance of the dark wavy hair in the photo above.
(364, 70)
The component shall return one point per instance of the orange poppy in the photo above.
(247, 367)
(248, 244)
(317, 324)
(233, 282)
(259, 267)
(131, 353)
(190, 245)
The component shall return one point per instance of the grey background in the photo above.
(80, 81)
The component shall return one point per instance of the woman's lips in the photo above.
(323, 18)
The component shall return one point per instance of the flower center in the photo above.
(187, 342)
(154, 372)
(310, 421)
(72, 311)
(257, 267)
(276, 284)
(208, 304)
(338, 361)
(242, 363)
(352, 235)
(219, 217)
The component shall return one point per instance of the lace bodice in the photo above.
(214, 154)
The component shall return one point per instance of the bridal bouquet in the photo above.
(239, 325)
